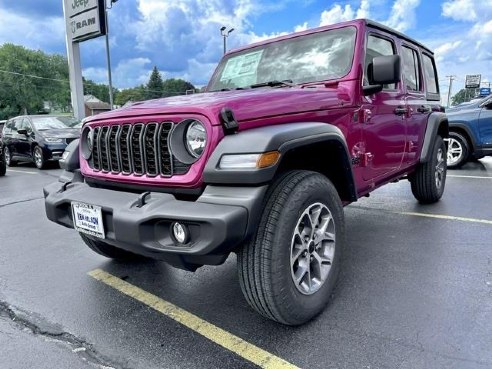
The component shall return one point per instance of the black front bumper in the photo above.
(218, 221)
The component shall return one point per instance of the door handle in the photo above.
(401, 110)
(424, 109)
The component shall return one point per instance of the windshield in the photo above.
(309, 58)
(43, 123)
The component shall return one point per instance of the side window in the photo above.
(411, 67)
(377, 46)
(25, 124)
(430, 74)
(18, 124)
(8, 127)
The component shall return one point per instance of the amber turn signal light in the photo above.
(267, 159)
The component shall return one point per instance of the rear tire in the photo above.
(109, 251)
(458, 150)
(7, 158)
(289, 268)
(429, 179)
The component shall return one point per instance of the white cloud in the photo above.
(336, 14)
(301, 27)
(463, 10)
(34, 33)
(128, 73)
(445, 49)
(402, 16)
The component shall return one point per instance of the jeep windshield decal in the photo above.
(242, 68)
(309, 58)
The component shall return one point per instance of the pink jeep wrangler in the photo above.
(288, 132)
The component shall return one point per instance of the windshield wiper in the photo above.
(274, 83)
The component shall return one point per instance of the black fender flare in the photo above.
(436, 123)
(280, 137)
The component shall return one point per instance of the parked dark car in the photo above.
(470, 131)
(37, 138)
(3, 166)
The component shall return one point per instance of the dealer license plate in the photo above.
(88, 219)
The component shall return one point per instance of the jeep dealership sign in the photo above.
(86, 19)
(473, 80)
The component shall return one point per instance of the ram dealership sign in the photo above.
(86, 19)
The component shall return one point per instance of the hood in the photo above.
(247, 104)
(60, 133)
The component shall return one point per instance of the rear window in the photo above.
(411, 68)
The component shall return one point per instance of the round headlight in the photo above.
(86, 142)
(196, 138)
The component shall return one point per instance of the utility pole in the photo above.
(225, 34)
(108, 56)
(451, 79)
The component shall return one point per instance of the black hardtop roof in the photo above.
(382, 27)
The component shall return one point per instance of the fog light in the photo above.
(181, 233)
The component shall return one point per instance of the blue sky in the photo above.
(182, 38)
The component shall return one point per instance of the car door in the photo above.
(22, 144)
(418, 109)
(485, 124)
(384, 130)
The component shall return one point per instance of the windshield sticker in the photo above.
(241, 66)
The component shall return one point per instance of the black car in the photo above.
(37, 138)
(3, 166)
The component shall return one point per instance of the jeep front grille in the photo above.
(135, 149)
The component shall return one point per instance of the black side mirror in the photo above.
(383, 70)
(22, 131)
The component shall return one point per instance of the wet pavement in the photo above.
(415, 291)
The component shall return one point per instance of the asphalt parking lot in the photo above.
(415, 292)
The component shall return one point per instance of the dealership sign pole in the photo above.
(84, 19)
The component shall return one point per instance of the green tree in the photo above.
(130, 94)
(99, 90)
(29, 79)
(463, 95)
(155, 86)
(173, 87)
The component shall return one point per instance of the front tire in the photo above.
(429, 179)
(289, 268)
(458, 150)
(38, 157)
(109, 251)
(3, 168)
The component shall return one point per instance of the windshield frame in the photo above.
(214, 80)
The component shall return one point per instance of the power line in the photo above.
(33, 76)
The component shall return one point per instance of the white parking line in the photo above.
(21, 171)
(476, 177)
(426, 215)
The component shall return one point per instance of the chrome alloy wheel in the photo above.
(38, 157)
(440, 171)
(6, 153)
(313, 248)
(455, 151)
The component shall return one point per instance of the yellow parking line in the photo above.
(20, 171)
(426, 215)
(215, 334)
(475, 177)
